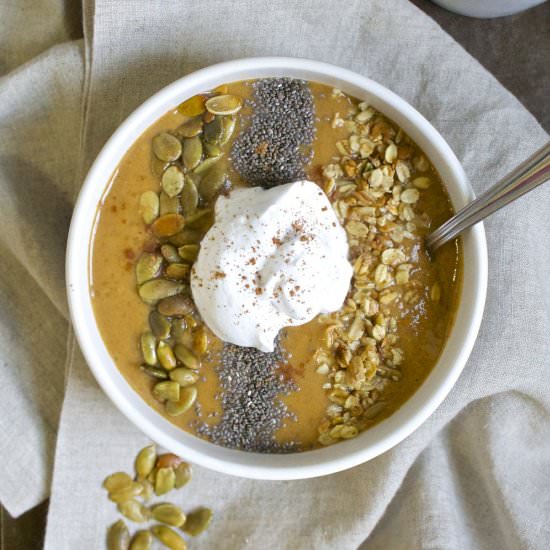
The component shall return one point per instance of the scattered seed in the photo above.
(165, 481)
(189, 197)
(168, 460)
(184, 376)
(148, 267)
(166, 147)
(197, 521)
(166, 356)
(117, 482)
(192, 152)
(149, 206)
(172, 181)
(134, 511)
(148, 490)
(118, 536)
(142, 540)
(145, 461)
(168, 513)
(169, 537)
(183, 474)
(187, 357)
(168, 225)
(166, 391)
(148, 345)
(134, 490)
(156, 289)
(160, 325)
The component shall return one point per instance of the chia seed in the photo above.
(276, 146)
(250, 399)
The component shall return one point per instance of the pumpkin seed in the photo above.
(160, 325)
(148, 490)
(201, 219)
(175, 306)
(168, 460)
(152, 477)
(166, 356)
(168, 513)
(191, 128)
(142, 540)
(193, 106)
(192, 152)
(168, 225)
(188, 252)
(168, 205)
(213, 150)
(134, 511)
(134, 490)
(145, 461)
(207, 117)
(157, 289)
(191, 322)
(172, 181)
(148, 267)
(184, 376)
(117, 482)
(155, 372)
(158, 166)
(197, 521)
(212, 183)
(189, 197)
(225, 104)
(213, 131)
(188, 396)
(169, 537)
(149, 206)
(228, 127)
(164, 481)
(205, 165)
(186, 356)
(178, 271)
(170, 253)
(200, 341)
(118, 536)
(178, 329)
(186, 236)
(183, 474)
(166, 147)
(148, 345)
(166, 391)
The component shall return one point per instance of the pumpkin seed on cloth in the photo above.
(149, 206)
(197, 521)
(156, 289)
(184, 376)
(165, 481)
(183, 473)
(145, 461)
(117, 482)
(188, 396)
(169, 537)
(148, 489)
(134, 511)
(168, 460)
(129, 493)
(167, 391)
(172, 181)
(118, 536)
(168, 513)
(148, 267)
(148, 344)
(192, 152)
(142, 540)
(225, 104)
(167, 225)
(167, 147)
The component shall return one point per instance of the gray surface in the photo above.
(515, 49)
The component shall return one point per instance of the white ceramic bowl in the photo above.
(346, 454)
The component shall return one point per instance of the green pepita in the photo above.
(160, 325)
(225, 104)
(192, 152)
(176, 306)
(213, 150)
(168, 460)
(117, 482)
(118, 536)
(188, 252)
(201, 219)
(193, 106)
(166, 147)
(170, 253)
(157, 289)
(168, 225)
(167, 391)
(164, 481)
(158, 166)
(197, 521)
(191, 128)
(134, 511)
(189, 197)
(148, 344)
(142, 540)
(212, 182)
(168, 513)
(178, 331)
(147, 492)
(188, 396)
(166, 356)
(186, 236)
(154, 372)
(200, 341)
(183, 473)
(172, 181)
(169, 537)
(148, 267)
(178, 271)
(145, 461)
(228, 127)
(149, 206)
(134, 490)
(168, 205)
(206, 164)
(184, 376)
(187, 357)
(213, 131)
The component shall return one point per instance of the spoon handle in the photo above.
(528, 175)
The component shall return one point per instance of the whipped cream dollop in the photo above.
(273, 258)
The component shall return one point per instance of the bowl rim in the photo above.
(347, 454)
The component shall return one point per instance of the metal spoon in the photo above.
(528, 175)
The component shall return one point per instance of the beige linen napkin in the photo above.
(475, 475)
